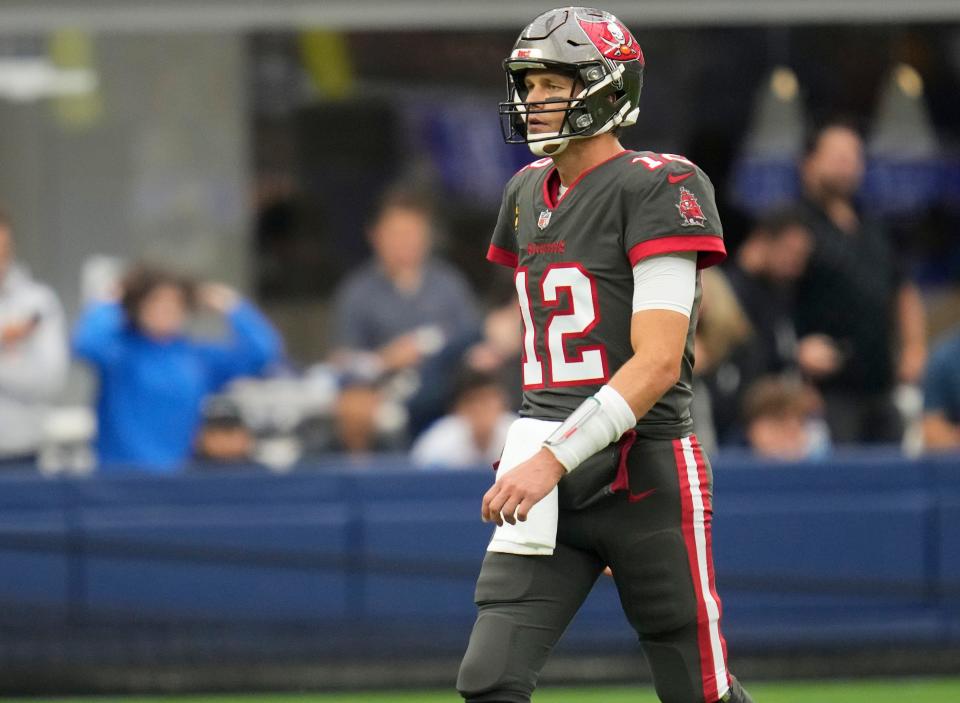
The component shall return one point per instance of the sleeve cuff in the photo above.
(502, 256)
(710, 248)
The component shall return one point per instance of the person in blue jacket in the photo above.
(153, 377)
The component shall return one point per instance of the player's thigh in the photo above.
(525, 603)
(663, 568)
(552, 584)
(646, 546)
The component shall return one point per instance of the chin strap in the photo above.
(555, 143)
(549, 147)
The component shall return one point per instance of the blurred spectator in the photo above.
(495, 349)
(405, 306)
(153, 377)
(474, 432)
(33, 354)
(941, 397)
(224, 437)
(780, 421)
(860, 322)
(763, 277)
(722, 325)
(499, 350)
(361, 424)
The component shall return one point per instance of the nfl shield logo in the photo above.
(544, 219)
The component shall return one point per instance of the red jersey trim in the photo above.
(550, 193)
(710, 248)
(502, 256)
(539, 163)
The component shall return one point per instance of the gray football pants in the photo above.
(655, 536)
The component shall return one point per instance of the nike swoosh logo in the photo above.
(675, 178)
(637, 497)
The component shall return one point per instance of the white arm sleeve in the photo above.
(666, 282)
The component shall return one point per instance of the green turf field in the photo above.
(873, 691)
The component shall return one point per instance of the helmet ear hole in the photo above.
(519, 78)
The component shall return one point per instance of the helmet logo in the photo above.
(526, 54)
(690, 211)
(614, 31)
(611, 38)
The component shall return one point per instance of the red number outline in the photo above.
(575, 355)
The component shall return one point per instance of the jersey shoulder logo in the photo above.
(611, 38)
(689, 208)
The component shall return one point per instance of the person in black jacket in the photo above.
(863, 320)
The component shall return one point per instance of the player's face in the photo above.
(163, 312)
(401, 239)
(836, 166)
(788, 254)
(483, 408)
(779, 437)
(355, 417)
(225, 443)
(542, 86)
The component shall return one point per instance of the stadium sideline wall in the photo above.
(216, 580)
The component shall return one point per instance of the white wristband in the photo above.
(601, 419)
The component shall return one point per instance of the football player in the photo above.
(602, 470)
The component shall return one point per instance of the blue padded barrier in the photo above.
(861, 550)
(38, 582)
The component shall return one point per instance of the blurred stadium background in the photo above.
(250, 143)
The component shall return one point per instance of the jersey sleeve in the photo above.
(673, 209)
(503, 245)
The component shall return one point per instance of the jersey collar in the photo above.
(551, 184)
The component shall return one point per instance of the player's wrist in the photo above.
(600, 420)
(556, 468)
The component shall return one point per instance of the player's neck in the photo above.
(583, 154)
(843, 214)
(406, 278)
(751, 257)
(838, 208)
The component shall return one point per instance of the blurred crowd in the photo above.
(811, 337)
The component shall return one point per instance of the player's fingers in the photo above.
(485, 513)
(495, 507)
(509, 510)
(524, 509)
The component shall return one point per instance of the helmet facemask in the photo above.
(601, 104)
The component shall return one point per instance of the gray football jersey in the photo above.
(573, 258)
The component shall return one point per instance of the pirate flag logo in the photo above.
(690, 211)
(612, 39)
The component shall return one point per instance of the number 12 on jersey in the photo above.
(585, 364)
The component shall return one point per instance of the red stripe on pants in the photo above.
(708, 673)
(708, 519)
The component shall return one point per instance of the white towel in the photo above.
(538, 534)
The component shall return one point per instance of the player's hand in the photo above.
(912, 361)
(483, 357)
(17, 331)
(217, 297)
(818, 355)
(511, 498)
(400, 353)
